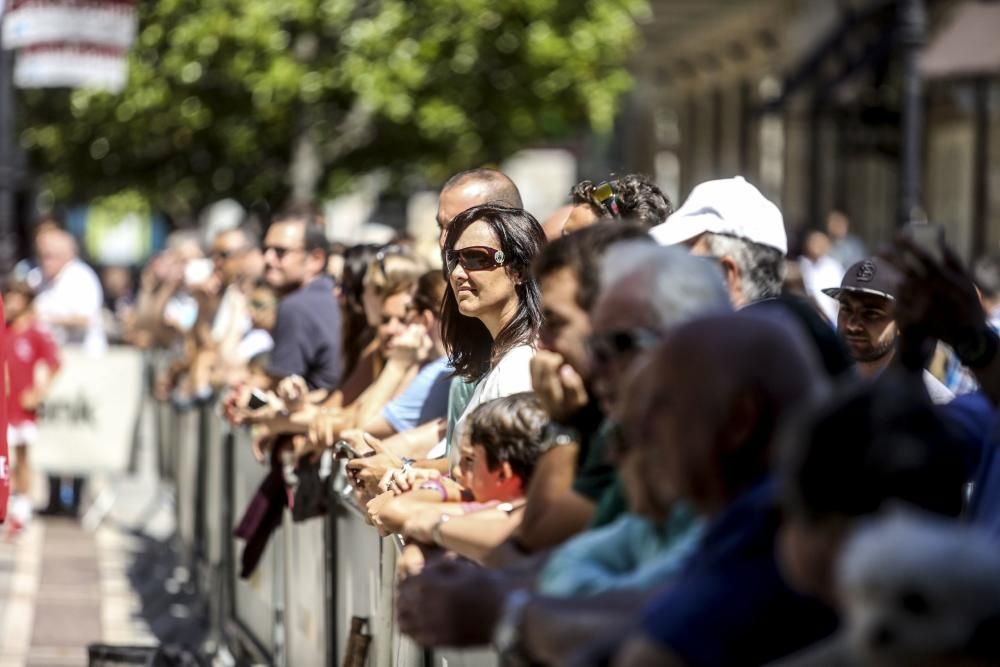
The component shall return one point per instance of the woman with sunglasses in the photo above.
(492, 312)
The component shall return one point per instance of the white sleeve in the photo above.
(512, 375)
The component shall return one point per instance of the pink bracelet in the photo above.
(436, 485)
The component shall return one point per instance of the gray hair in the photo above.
(761, 267)
(681, 286)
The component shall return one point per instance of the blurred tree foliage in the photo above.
(221, 91)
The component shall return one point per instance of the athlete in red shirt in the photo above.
(32, 360)
(4, 460)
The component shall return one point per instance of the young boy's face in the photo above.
(15, 304)
(263, 308)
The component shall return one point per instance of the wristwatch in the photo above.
(506, 634)
(978, 348)
(559, 435)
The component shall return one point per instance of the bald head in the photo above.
(56, 248)
(713, 397)
(474, 188)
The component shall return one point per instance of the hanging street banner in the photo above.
(70, 43)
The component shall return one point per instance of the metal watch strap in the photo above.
(558, 435)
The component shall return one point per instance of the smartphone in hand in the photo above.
(257, 399)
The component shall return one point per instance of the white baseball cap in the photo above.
(729, 206)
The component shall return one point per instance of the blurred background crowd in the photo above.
(636, 332)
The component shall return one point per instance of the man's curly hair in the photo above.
(639, 199)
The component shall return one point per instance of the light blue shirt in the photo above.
(630, 553)
(425, 399)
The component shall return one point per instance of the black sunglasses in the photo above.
(474, 258)
(609, 346)
(390, 250)
(280, 251)
(226, 254)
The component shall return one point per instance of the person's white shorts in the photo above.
(25, 433)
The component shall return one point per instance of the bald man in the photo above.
(719, 390)
(69, 296)
(473, 188)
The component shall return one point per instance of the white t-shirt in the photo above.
(75, 292)
(511, 375)
(940, 394)
(232, 319)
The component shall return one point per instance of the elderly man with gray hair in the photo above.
(69, 294)
(730, 221)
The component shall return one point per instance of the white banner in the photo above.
(70, 66)
(32, 22)
(88, 421)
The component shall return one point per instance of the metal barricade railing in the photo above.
(314, 576)
(256, 609)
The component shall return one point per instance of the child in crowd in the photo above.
(473, 514)
(32, 361)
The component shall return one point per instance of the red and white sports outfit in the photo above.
(25, 349)
(4, 458)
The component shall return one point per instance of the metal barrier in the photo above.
(296, 608)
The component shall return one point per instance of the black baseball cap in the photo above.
(869, 276)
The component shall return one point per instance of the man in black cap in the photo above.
(866, 321)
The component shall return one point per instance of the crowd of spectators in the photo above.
(631, 436)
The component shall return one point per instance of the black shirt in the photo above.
(307, 336)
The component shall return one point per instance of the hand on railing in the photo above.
(325, 427)
(366, 471)
(452, 602)
(293, 392)
(246, 405)
(374, 508)
(410, 561)
(399, 480)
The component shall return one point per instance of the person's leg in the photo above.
(20, 501)
(21, 474)
(55, 483)
(78, 484)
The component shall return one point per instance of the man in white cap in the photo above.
(732, 222)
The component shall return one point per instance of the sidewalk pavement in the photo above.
(62, 588)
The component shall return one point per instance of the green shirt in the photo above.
(594, 473)
(611, 505)
(459, 395)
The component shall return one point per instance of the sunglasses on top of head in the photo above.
(605, 196)
(474, 258)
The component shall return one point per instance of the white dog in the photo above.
(918, 590)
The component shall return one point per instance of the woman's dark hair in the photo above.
(356, 334)
(510, 430)
(471, 348)
(430, 292)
